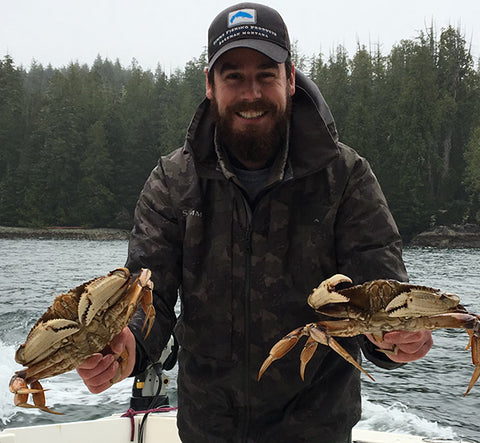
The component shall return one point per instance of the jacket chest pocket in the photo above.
(205, 323)
(312, 252)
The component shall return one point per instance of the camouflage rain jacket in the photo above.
(244, 272)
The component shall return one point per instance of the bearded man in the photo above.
(261, 204)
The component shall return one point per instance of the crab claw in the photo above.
(100, 293)
(281, 348)
(419, 301)
(19, 387)
(325, 293)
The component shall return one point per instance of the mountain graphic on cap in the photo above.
(240, 14)
(248, 25)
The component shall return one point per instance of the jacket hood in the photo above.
(313, 134)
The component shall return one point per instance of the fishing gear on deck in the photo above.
(149, 388)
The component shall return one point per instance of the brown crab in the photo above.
(374, 308)
(77, 325)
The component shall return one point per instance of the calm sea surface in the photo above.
(424, 397)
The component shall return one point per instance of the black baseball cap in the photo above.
(248, 25)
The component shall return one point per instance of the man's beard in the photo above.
(254, 145)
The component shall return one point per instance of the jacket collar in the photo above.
(313, 136)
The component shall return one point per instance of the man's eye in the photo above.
(267, 75)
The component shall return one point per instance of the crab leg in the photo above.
(147, 305)
(21, 390)
(317, 335)
(142, 287)
(307, 353)
(474, 344)
(469, 322)
(323, 331)
(282, 347)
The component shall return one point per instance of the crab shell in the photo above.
(394, 298)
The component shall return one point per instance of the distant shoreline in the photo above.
(64, 233)
(448, 237)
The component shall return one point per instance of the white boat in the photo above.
(119, 430)
(148, 388)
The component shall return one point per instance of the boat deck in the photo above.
(119, 430)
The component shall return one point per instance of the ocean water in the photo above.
(423, 398)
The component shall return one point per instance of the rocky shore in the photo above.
(62, 233)
(449, 237)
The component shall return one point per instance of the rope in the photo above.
(131, 413)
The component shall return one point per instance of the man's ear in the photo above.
(208, 86)
(291, 81)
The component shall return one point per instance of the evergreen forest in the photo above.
(78, 142)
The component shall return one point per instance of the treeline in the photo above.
(77, 143)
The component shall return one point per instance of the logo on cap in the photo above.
(242, 17)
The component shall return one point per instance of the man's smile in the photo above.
(251, 115)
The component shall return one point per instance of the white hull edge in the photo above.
(118, 429)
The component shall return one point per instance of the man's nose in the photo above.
(251, 90)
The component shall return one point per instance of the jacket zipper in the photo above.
(248, 267)
(247, 333)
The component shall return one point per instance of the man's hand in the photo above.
(410, 345)
(102, 370)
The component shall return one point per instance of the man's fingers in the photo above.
(88, 370)
(99, 377)
(117, 344)
(91, 362)
(404, 337)
(409, 345)
(100, 369)
(418, 349)
(125, 341)
(103, 381)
